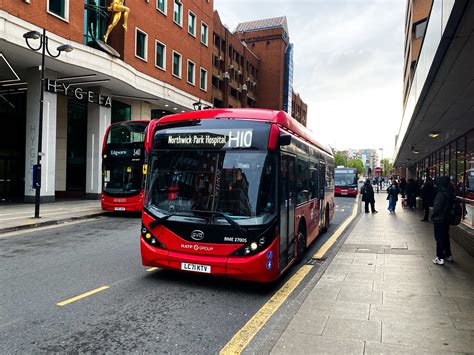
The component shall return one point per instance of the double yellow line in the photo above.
(245, 335)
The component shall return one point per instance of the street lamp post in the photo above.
(43, 46)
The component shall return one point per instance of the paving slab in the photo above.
(428, 337)
(463, 320)
(298, 343)
(404, 299)
(353, 329)
(420, 316)
(345, 310)
(21, 216)
(358, 295)
(375, 348)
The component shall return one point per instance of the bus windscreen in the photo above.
(344, 178)
(123, 159)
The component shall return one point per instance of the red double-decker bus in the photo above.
(239, 193)
(345, 181)
(123, 168)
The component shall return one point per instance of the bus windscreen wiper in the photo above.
(227, 218)
(160, 220)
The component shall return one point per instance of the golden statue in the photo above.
(116, 7)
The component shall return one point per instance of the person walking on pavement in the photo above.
(440, 217)
(368, 197)
(403, 186)
(392, 197)
(410, 193)
(427, 196)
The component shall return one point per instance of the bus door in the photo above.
(287, 209)
(322, 187)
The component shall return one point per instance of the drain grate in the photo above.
(313, 261)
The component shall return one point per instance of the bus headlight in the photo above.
(149, 238)
(253, 246)
(247, 251)
(261, 241)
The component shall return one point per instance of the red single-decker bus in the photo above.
(238, 193)
(345, 181)
(123, 166)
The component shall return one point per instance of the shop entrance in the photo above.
(76, 149)
(12, 146)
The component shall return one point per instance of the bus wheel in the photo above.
(301, 246)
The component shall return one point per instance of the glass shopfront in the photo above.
(455, 160)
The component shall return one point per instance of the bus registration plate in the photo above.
(119, 208)
(196, 268)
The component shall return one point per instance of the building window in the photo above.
(419, 29)
(204, 34)
(203, 79)
(141, 43)
(178, 12)
(120, 112)
(59, 8)
(161, 5)
(192, 23)
(160, 55)
(191, 72)
(177, 64)
(95, 24)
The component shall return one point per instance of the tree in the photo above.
(339, 159)
(387, 167)
(358, 164)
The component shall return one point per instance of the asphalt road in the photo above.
(158, 311)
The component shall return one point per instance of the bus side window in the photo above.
(322, 179)
(329, 175)
(302, 181)
(314, 179)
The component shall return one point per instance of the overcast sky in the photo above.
(348, 57)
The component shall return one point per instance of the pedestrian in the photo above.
(403, 186)
(440, 217)
(410, 190)
(392, 197)
(427, 196)
(368, 197)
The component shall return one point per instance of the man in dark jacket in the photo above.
(410, 192)
(368, 197)
(427, 196)
(440, 217)
(403, 186)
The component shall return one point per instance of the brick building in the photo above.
(269, 40)
(162, 64)
(265, 72)
(299, 109)
(235, 69)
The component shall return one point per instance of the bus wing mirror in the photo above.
(284, 139)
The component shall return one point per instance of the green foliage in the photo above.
(358, 164)
(387, 167)
(339, 159)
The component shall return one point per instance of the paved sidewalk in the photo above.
(382, 294)
(21, 216)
